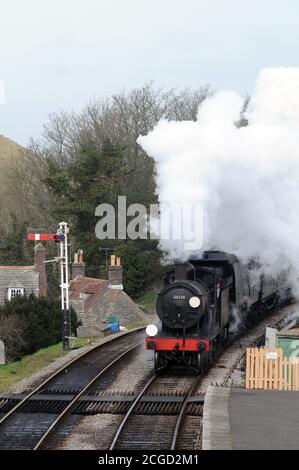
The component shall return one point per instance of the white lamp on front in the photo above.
(151, 330)
(194, 302)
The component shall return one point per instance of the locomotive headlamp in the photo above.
(151, 330)
(194, 302)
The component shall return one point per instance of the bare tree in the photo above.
(122, 118)
(11, 334)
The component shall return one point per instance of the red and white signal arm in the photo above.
(40, 236)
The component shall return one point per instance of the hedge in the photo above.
(39, 323)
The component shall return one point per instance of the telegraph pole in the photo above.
(101, 248)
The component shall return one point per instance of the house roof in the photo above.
(18, 277)
(87, 285)
(16, 267)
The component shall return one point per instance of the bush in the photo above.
(39, 323)
(11, 333)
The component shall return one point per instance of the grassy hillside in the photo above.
(8, 150)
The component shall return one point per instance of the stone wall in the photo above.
(39, 266)
(78, 269)
(78, 306)
(112, 302)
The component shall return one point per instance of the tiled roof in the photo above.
(16, 267)
(18, 276)
(87, 285)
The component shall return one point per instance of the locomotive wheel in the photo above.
(204, 362)
(160, 360)
(226, 335)
(196, 361)
(157, 360)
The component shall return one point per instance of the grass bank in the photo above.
(28, 365)
(148, 300)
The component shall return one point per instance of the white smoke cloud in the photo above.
(247, 178)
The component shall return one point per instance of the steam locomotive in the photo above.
(200, 302)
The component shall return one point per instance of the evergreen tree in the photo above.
(39, 322)
(140, 261)
(100, 175)
(14, 248)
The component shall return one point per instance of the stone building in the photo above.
(96, 299)
(24, 280)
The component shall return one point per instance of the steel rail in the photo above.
(130, 412)
(90, 384)
(200, 377)
(60, 371)
(186, 400)
(181, 415)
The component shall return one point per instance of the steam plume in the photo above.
(246, 178)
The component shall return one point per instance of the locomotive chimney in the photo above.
(39, 258)
(184, 271)
(115, 273)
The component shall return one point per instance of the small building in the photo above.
(24, 280)
(288, 341)
(95, 300)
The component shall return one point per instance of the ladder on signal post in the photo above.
(64, 285)
(61, 237)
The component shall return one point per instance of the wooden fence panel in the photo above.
(267, 369)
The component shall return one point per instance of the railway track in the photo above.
(181, 429)
(158, 412)
(140, 431)
(21, 428)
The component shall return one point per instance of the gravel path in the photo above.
(93, 432)
(133, 373)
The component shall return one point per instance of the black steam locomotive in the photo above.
(201, 300)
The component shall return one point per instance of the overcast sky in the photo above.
(58, 54)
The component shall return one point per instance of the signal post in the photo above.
(62, 233)
(61, 237)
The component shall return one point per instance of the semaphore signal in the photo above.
(57, 237)
(40, 236)
(61, 237)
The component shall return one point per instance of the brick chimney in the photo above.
(115, 273)
(78, 266)
(39, 266)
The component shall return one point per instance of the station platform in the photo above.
(240, 419)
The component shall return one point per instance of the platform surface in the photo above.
(264, 419)
(251, 419)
